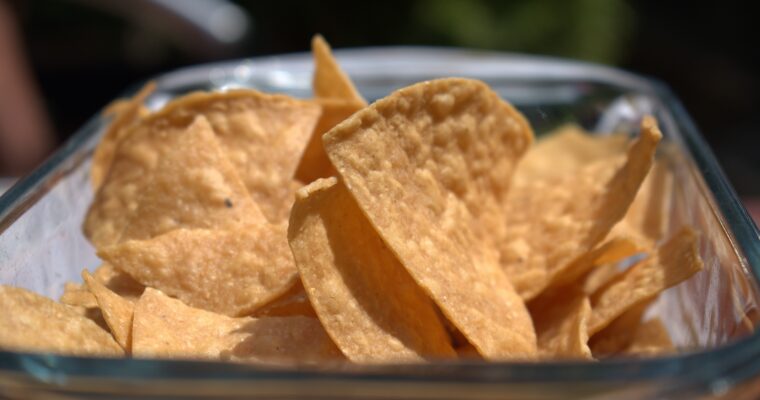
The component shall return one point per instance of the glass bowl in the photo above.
(711, 318)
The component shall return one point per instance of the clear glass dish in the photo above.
(711, 318)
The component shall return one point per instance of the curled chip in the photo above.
(165, 327)
(232, 271)
(116, 311)
(125, 115)
(675, 261)
(552, 222)
(31, 322)
(428, 165)
(366, 300)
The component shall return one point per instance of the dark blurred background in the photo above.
(83, 53)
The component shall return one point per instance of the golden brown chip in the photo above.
(611, 251)
(314, 163)
(651, 338)
(619, 334)
(119, 282)
(568, 149)
(552, 222)
(428, 165)
(293, 302)
(676, 261)
(264, 136)
(192, 187)
(116, 310)
(329, 79)
(75, 294)
(165, 327)
(31, 322)
(125, 115)
(165, 179)
(562, 325)
(366, 300)
(600, 276)
(647, 220)
(232, 271)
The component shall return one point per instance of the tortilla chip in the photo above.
(428, 165)
(232, 272)
(75, 294)
(651, 338)
(468, 352)
(314, 163)
(568, 149)
(611, 251)
(116, 310)
(619, 334)
(329, 79)
(648, 218)
(600, 276)
(264, 136)
(125, 115)
(676, 261)
(192, 187)
(365, 299)
(562, 326)
(291, 303)
(165, 327)
(552, 222)
(34, 323)
(119, 282)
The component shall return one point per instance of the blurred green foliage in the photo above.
(594, 30)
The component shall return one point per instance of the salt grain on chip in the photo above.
(366, 300)
(427, 165)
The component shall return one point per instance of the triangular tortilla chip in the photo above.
(165, 327)
(314, 163)
(366, 300)
(232, 271)
(125, 115)
(116, 310)
(552, 222)
(676, 261)
(329, 79)
(34, 323)
(165, 179)
(428, 165)
(264, 136)
(192, 187)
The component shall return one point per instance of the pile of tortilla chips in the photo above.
(257, 227)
